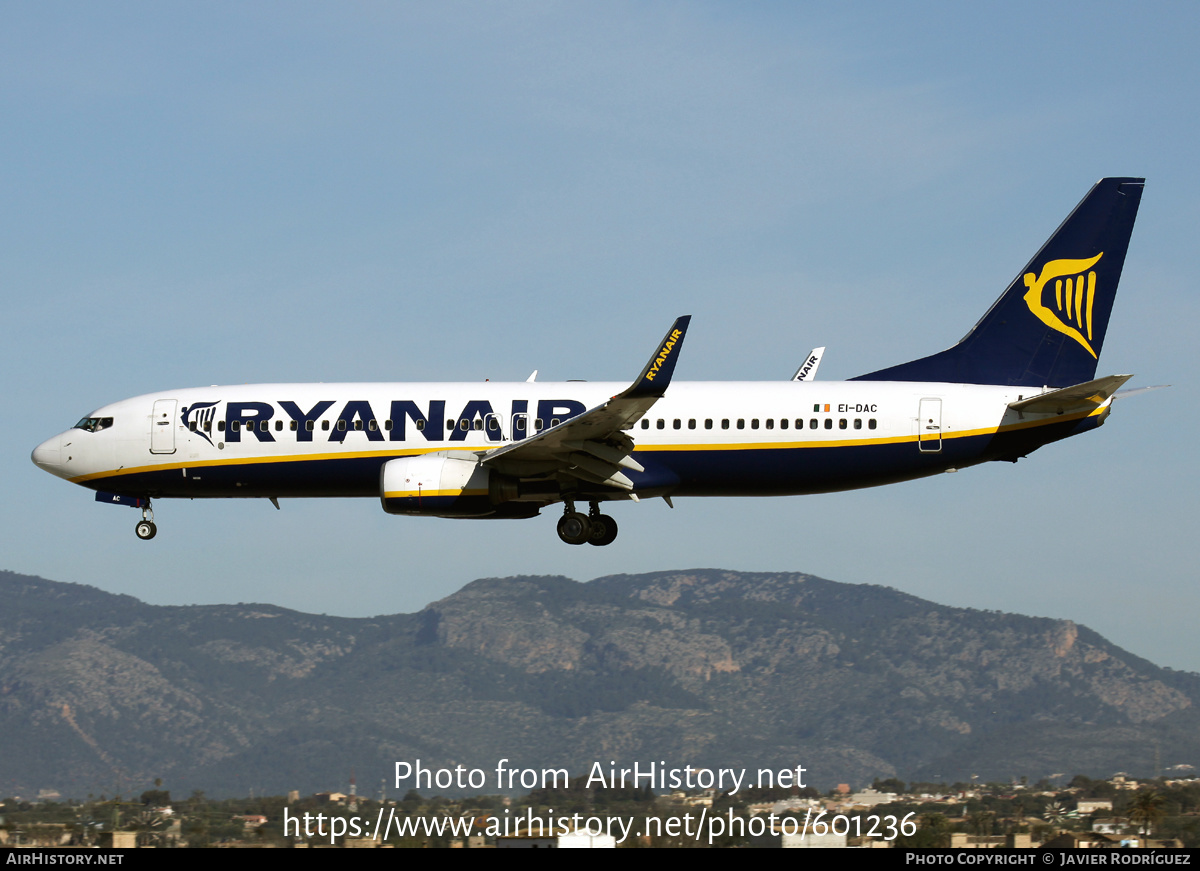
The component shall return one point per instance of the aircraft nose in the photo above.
(48, 455)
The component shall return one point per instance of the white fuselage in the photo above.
(701, 438)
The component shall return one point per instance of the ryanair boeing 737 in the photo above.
(1023, 377)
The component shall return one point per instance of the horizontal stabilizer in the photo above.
(1081, 397)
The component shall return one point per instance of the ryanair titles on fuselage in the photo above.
(254, 418)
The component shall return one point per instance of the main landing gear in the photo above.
(146, 529)
(592, 528)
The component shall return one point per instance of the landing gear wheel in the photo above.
(146, 530)
(604, 530)
(574, 528)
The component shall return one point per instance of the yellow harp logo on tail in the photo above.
(1074, 292)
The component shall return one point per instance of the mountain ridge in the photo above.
(699, 666)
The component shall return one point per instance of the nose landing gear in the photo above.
(145, 528)
(592, 528)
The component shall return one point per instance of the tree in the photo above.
(981, 822)
(156, 797)
(1146, 811)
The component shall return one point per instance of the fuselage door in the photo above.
(519, 423)
(929, 426)
(493, 425)
(162, 427)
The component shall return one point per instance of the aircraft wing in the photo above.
(1081, 397)
(594, 446)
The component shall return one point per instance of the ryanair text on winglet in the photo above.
(663, 354)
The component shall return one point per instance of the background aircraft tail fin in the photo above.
(1048, 326)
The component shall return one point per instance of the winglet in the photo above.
(658, 371)
(808, 369)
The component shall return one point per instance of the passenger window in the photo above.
(812, 424)
(770, 423)
(308, 425)
(493, 424)
(708, 423)
(725, 423)
(754, 423)
(342, 425)
(208, 426)
(479, 424)
(373, 425)
(235, 425)
(741, 423)
(220, 426)
(294, 425)
(829, 423)
(677, 424)
(858, 423)
(263, 426)
(420, 426)
(325, 425)
(537, 424)
(842, 423)
(192, 425)
(691, 423)
(645, 423)
(554, 421)
(662, 424)
(871, 423)
(782, 423)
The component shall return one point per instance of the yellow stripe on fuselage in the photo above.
(429, 494)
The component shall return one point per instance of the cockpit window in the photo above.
(94, 424)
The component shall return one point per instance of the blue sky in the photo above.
(228, 193)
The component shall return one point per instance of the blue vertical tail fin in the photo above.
(1049, 325)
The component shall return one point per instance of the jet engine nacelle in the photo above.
(437, 485)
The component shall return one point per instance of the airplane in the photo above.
(1022, 377)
